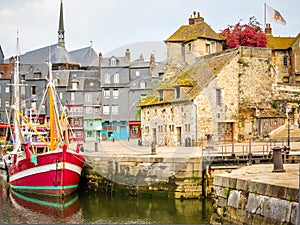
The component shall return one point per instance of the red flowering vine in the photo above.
(250, 34)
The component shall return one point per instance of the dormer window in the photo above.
(160, 95)
(113, 62)
(177, 90)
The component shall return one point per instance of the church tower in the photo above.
(61, 30)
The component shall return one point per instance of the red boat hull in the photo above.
(55, 173)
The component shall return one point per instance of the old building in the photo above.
(76, 76)
(190, 42)
(285, 56)
(124, 83)
(208, 102)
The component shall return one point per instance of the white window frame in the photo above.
(115, 93)
(113, 62)
(107, 78)
(106, 93)
(116, 78)
(106, 110)
(89, 110)
(115, 109)
(88, 97)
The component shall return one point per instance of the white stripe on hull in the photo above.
(45, 168)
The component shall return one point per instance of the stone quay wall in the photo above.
(244, 199)
(172, 177)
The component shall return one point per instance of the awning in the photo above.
(134, 123)
(4, 126)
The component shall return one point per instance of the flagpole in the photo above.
(265, 16)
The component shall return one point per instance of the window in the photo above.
(115, 93)
(161, 95)
(137, 73)
(116, 78)
(61, 95)
(33, 105)
(0, 102)
(177, 89)
(88, 97)
(6, 103)
(143, 84)
(207, 47)
(33, 90)
(0, 88)
(219, 97)
(72, 96)
(7, 90)
(107, 78)
(115, 109)
(106, 109)
(89, 134)
(143, 97)
(113, 62)
(89, 110)
(106, 93)
(285, 60)
(189, 47)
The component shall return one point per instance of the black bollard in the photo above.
(277, 159)
(96, 146)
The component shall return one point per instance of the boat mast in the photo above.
(16, 116)
(53, 139)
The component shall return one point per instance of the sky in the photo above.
(109, 24)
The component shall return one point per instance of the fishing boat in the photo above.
(52, 169)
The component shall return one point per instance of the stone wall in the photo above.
(173, 177)
(246, 201)
(173, 123)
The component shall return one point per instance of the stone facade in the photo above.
(214, 94)
(190, 42)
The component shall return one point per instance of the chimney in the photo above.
(100, 58)
(152, 60)
(191, 20)
(268, 29)
(198, 18)
(127, 55)
(141, 57)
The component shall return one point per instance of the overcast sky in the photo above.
(111, 23)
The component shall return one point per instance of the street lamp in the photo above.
(289, 129)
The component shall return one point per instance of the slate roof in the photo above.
(195, 78)
(41, 55)
(121, 62)
(86, 57)
(191, 32)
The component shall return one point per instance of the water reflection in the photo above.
(99, 208)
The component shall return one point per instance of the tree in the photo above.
(250, 34)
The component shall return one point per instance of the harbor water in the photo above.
(84, 208)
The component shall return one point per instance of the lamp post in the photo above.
(289, 129)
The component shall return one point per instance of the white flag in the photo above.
(274, 16)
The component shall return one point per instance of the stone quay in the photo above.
(257, 194)
(178, 172)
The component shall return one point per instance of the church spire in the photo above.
(61, 30)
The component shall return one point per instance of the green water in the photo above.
(100, 209)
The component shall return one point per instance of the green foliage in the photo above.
(227, 192)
